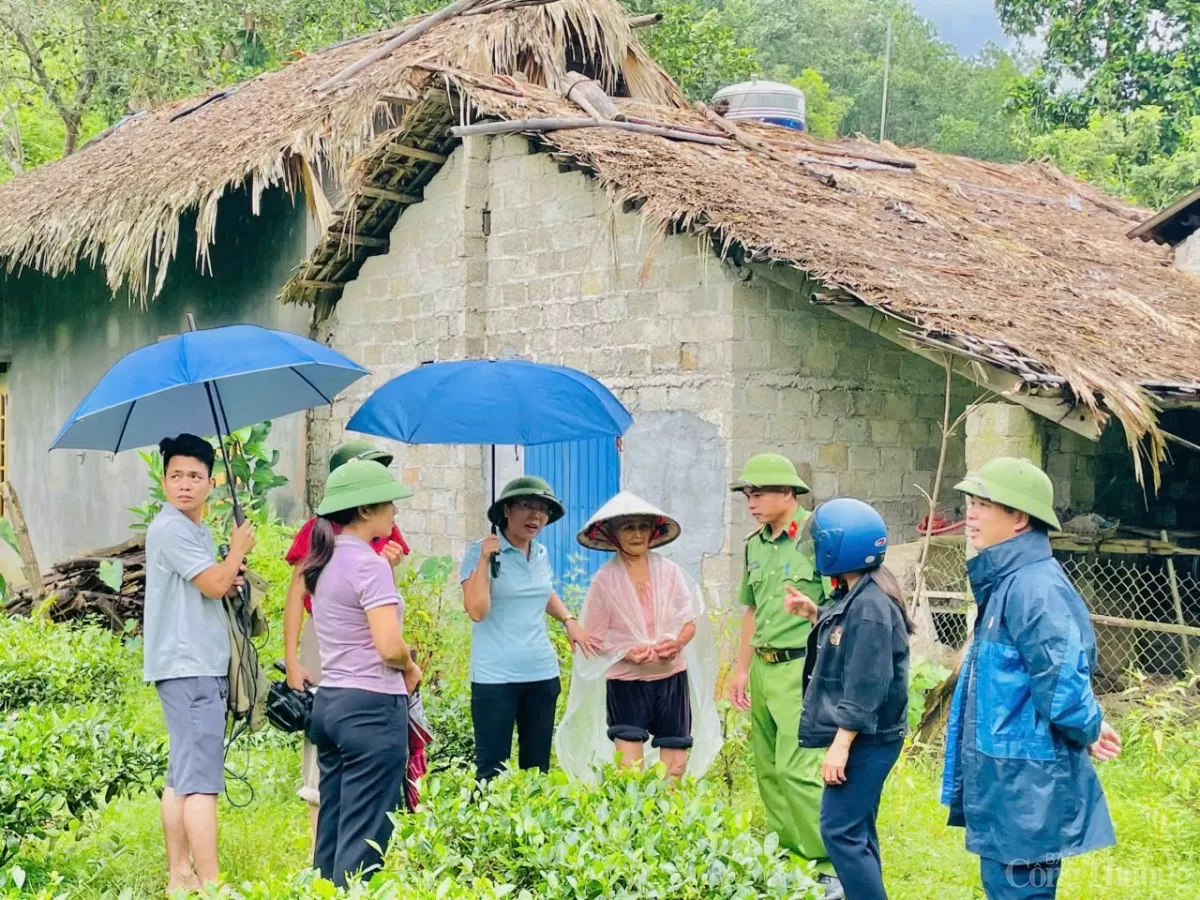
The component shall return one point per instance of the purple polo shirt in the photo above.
(355, 581)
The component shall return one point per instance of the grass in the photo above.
(1153, 791)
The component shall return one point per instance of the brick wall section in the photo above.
(562, 277)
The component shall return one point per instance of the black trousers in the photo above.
(496, 708)
(362, 751)
(848, 813)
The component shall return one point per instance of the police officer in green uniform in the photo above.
(770, 665)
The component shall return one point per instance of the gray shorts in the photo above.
(195, 712)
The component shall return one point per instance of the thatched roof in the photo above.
(1014, 266)
(118, 201)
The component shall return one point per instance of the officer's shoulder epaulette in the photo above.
(756, 531)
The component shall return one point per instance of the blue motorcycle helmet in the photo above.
(848, 536)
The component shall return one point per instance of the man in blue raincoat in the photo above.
(1024, 719)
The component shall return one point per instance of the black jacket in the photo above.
(856, 670)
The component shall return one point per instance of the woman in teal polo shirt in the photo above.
(514, 669)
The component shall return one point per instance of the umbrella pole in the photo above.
(210, 390)
(495, 561)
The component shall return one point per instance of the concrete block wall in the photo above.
(1187, 254)
(508, 256)
(859, 413)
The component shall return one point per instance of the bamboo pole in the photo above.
(516, 126)
(742, 137)
(1145, 625)
(1177, 600)
(932, 496)
(29, 563)
(645, 21)
(405, 37)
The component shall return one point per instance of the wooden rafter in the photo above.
(379, 193)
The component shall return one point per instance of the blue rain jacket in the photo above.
(1018, 776)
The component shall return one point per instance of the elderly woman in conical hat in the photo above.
(653, 679)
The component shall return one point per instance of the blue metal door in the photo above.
(584, 475)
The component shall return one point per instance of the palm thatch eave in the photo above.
(118, 202)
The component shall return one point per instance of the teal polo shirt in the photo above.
(512, 644)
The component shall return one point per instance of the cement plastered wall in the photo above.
(64, 334)
(715, 363)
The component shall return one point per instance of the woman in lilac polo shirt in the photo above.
(514, 669)
(360, 714)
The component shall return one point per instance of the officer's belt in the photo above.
(772, 656)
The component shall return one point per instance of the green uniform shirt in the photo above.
(771, 563)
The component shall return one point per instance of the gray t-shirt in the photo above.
(184, 633)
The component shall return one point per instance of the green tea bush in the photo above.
(58, 765)
(631, 836)
(448, 706)
(528, 836)
(43, 663)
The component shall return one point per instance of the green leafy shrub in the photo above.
(528, 836)
(923, 676)
(42, 662)
(448, 706)
(56, 766)
(632, 835)
(434, 623)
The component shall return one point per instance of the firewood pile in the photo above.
(74, 589)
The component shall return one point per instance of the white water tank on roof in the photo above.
(766, 101)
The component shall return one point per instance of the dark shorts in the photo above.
(662, 708)
(195, 712)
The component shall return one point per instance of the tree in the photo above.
(103, 60)
(1126, 153)
(1128, 54)
(697, 46)
(824, 110)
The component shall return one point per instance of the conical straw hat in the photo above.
(595, 536)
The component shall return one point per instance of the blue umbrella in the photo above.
(212, 381)
(491, 402)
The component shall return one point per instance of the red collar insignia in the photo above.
(793, 530)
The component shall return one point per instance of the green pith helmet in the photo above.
(360, 482)
(525, 486)
(358, 450)
(769, 470)
(1015, 483)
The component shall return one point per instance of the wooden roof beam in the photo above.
(415, 153)
(379, 193)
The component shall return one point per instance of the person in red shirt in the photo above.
(301, 658)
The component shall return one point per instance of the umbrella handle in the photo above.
(494, 560)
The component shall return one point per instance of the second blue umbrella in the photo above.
(492, 402)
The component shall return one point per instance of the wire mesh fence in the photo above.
(1145, 608)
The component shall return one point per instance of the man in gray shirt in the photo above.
(186, 654)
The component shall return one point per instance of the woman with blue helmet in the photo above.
(856, 685)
